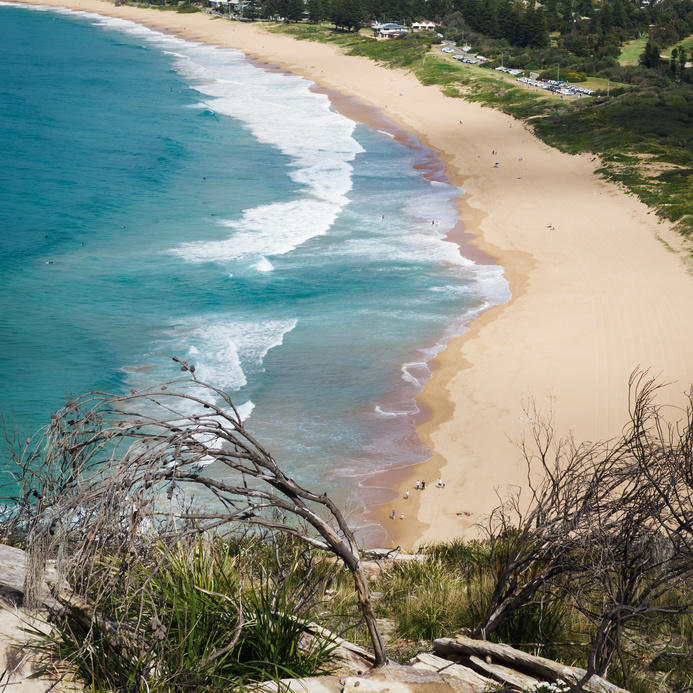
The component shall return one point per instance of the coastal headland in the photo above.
(599, 285)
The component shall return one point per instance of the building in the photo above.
(388, 30)
(424, 26)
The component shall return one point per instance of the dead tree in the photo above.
(113, 468)
(609, 525)
(533, 540)
(639, 545)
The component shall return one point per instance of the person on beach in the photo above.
(406, 495)
(401, 517)
(417, 484)
(423, 485)
(440, 482)
(393, 514)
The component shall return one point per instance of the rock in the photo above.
(16, 660)
(402, 679)
(349, 662)
(12, 572)
(471, 681)
(313, 684)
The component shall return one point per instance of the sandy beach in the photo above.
(599, 286)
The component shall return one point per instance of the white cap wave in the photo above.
(280, 110)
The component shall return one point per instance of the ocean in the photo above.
(161, 196)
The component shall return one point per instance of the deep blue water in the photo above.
(172, 197)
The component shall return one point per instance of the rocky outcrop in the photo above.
(17, 660)
(12, 572)
(391, 678)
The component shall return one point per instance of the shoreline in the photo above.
(593, 298)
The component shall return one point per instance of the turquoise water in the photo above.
(172, 197)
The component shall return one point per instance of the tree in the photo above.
(532, 542)
(294, 10)
(315, 11)
(651, 57)
(536, 33)
(608, 526)
(639, 547)
(351, 14)
(100, 474)
(251, 10)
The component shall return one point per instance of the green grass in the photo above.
(179, 611)
(687, 43)
(632, 50)
(426, 600)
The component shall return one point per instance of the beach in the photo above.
(599, 286)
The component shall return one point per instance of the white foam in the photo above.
(280, 110)
(38, 8)
(406, 374)
(389, 414)
(245, 410)
(264, 265)
(225, 351)
(492, 284)
(408, 247)
(452, 290)
(266, 230)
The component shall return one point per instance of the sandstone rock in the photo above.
(314, 684)
(470, 680)
(402, 679)
(12, 572)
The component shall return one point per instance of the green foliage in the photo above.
(347, 14)
(629, 130)
(426, 600)
(540, 627)
(404, 52)
(211, 616)
(452, 92)
(650, 57)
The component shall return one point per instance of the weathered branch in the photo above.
(113, 467)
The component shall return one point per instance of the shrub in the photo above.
(209, 616)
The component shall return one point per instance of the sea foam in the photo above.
(280, 110)
(225, 352)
